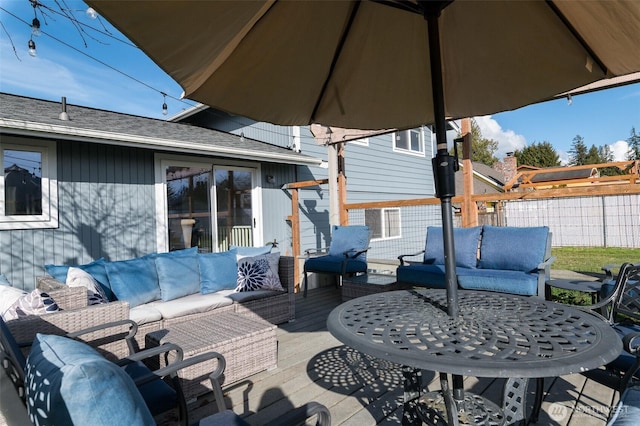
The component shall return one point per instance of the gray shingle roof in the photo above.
(23, 115)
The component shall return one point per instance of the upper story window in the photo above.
(409, 141)
(28, 185)
(383, 223)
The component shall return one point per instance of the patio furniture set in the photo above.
(237, 324)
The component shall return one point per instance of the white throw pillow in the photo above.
(9, 296)
(33, 303)
(76, 277)
(259, 273)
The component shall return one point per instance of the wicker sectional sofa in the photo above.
(273, 306)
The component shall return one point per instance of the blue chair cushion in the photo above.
(333, 265)
(135, 280)
(96, 269)
(503, 281)
(224, 418)
(465, 246)
(431, 276)
(349, 239)
(178, 273)
(218, 271)
(511, 248)
(627, 412)
(625, 360)
(157, 394)
(68, 382)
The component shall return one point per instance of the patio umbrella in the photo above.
(382, 64)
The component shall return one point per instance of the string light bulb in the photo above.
(91, 13)
(32, 48)
(569, 100)
(165, 110)
(35, 27)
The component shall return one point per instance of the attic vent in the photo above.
(63, 115)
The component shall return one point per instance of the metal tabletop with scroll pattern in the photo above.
(495, 335)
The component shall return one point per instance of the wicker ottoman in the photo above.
(248, 344)
(363, 285)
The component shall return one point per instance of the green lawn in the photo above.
(587, 260)
(591, 259)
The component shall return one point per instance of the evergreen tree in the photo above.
(578, 152)
(482, 149)
(634, 145)
(541, 154)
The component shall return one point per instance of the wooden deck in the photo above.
(359, 390)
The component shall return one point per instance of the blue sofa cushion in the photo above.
(96, 269)
(465, 242)
(178, 273)
(503, 281)
(218, 271)
(431, 276)
(250, 251)
(349, 239)
(68, 382)
(333, 264)
(135, 280)
(511, 248)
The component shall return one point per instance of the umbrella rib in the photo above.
(343, 38)
(577, 36)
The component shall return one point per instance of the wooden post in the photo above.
(342, 187)
(294, 218)
(469, 208)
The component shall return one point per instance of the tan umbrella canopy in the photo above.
(365, 65)
(383, 64)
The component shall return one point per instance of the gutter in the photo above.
(25, 128)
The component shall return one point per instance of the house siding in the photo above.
(106, 205)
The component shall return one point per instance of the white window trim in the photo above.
(382, 223)
(49, 181)
(409, 151)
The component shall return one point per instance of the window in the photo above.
(28, 185)
(409, 141)
(383, 223)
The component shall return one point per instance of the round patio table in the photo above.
(495, 335)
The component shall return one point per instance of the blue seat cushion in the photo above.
(224, 418)
(514, 282)
(432, 276)
(333, 265)
(157, 394)
(512, 248)
(625, 360)
(68, 382)
(627, 412)
(466, 242)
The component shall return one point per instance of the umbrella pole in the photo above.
(443, 163)
(444, 175)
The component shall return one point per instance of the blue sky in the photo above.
(94, 76)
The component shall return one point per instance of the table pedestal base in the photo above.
(474, 410)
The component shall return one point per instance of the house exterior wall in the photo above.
(106, 209)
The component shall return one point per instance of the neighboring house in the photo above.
(391, 166)
(486, 180)
(105, 184)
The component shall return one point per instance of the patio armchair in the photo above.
(346, 255)
(621, 309)
(157, 395)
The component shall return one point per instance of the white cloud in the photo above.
(508, 140)
(619, 150)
